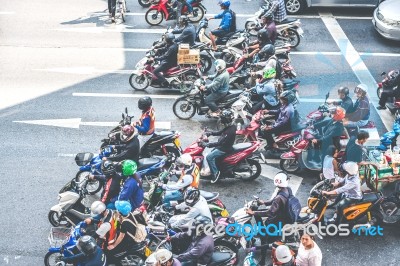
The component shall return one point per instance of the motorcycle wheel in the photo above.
(56, 221)
(289, 165)
(198, 14)
(254, 172)
(222, 245)
(205, 62)
(145, 3)
(92, 186)
(133, 260)
(294, 6)
(379, 92)
(188, 79)
(52, 258)
(294, 38)
(153, 17)
(139, 83)
(187, 108)
(172, 153)
(248, 25)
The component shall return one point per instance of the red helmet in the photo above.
(128, 130)
(339, 114)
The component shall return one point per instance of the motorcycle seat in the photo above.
(137, 246)
(173, 69)
(232, 94)
(219, 257)
(286, 21)
(370, 197)
(197, 45)
(162, 133)
(241, 146)
(147, 162)
(209, 195)
(305, 217)
(297, 127)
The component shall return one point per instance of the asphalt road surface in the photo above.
(64, 60)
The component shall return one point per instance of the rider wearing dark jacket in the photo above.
(187, 31)
(91, 255)
(168, 59)
(345, 101)
(130, 150)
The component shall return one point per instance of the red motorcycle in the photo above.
(389, 83)
(239, 163)
(180, 77)
(160, 10)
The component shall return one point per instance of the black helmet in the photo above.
(183, 21)
(169, 38)
(268, 16)
(145, 103)
(262, 36)
(288, 96)
(87, 245)
(343, 90)
(199, 223)
(227, 117)
(108, 168)
(192, 196)
(267, 51)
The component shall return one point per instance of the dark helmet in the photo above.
(267, 51)
(87, 245)
(268, 16)
(192, 196)
(145, 102)
(343, 90)
(227, 117)
(199, 223)
(288, 96)
(262, 36)
(127, 132)
(183, 21)
(169, 38)
(108, 168)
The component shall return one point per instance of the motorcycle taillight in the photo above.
(219, 203)
(380, 84)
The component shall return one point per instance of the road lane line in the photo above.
(356, 63)
(7, 12)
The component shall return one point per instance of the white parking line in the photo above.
(355, 61)
(7, 12)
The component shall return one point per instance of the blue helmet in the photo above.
(224, 3)
(123, 207)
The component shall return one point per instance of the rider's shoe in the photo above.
(214, 178)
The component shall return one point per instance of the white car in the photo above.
(386, 19)
(296, 6)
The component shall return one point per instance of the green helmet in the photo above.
(129, 167)
(269, 73)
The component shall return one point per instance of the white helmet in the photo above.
(283, 254)
(351, 168)
(281, 180)
(97, 208)
(185, 159)
(163, 255)
(219, 65)
(361, 88)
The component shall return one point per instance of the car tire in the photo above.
(295, 6)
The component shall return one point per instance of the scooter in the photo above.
(387, 84)
(159, 10)
(240, 163)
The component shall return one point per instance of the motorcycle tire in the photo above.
(56, 221)
(253, 162)
(294, 38)
(228, 58)
(145, 3)
(183, 104)
(222, 245)
(248, 25)
(188, 79)
(198, 14)
(135, 80)
(295, 6)
(92, 186)
(205, 62)
(133, 260)
(283, 164)
(149, 17)
(379, 92)
(172, 153)
(49, 257)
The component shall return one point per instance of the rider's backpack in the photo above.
(293, 207)
(141, 233)
(233, 21)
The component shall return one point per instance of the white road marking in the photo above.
(84, 70)
(7, 12)
(356, 63)
(117, 28)
(76, 122)
(66, 155)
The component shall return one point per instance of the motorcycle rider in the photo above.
(132, 229)
(198, 247)
(394, 91)
(284, 255)
(146, 124)
(186, 30)
(269, 24)
(268, 91)
(223, 145)
(132, 190)
(91, 254)
(360, 113)
(130, 150)
(164, 257)
(309, 252)
(345, 101)
(168, 58)
(278, 10)
(349, 189)
(355, 149)
(276, 213)
(197, 205)
(189, 177)
(225, 25)
(262, 40)
(282, 123)
(218, 87)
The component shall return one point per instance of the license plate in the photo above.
(177, 143)
(225, 213)
(300, 31)
(243, 242)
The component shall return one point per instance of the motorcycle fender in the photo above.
(56, 208)
(288, 155)
(205, 9)
(54, 250)
(300, 31)
(137, 72)
(85, 168)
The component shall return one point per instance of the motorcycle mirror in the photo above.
(327, 96)
(123, 117)
(383, 73)
(126, 110)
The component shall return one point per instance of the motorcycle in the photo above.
(179, 77)
(145, 3)
(387, 84)
(240, 163)
(114, 136)
(159, 10)
(185, 107)
(220, 42)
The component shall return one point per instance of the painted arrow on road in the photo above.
(76, 122)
